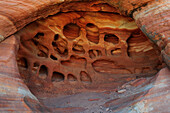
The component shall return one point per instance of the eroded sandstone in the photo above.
(76, 50)
(81, 47)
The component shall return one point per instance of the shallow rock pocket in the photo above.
(79, 51)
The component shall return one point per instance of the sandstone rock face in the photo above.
(97, 49)
(154, 21)
(14, 94)
(89, 48)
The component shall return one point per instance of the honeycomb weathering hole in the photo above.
(66, 61)
(57, 77)
(78, 48)
(94, 53)
(22, 62)
(92, 33)
(39, 35)
(111, 38)
(60, 46)
(43, 72)
(71, 78)
(71, 31)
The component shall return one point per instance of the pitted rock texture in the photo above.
(79, 50)
(151, 16)
(15, 15)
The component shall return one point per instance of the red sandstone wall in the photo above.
(14, 15)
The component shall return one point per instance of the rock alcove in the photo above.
(78, 51)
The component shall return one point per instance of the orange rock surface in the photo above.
(84, 56)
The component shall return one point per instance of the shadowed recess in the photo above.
(39, 35)
(53, 57)
(60, 45)
(71, 31)
(71, 78)
(43, 72)
(43, 51)
(22, 62)
(57, 77)
(94, 53)
(111, 38)
(92, 33)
